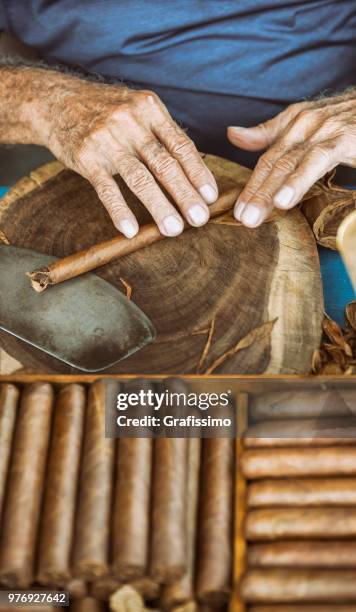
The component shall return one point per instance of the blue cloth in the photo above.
(213, 62)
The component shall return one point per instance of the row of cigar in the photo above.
(110, 519)
(298, 462)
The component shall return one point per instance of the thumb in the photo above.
(263, 135)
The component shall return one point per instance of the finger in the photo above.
(263, 135)
(142, 184)
(170, 174)
(294, 140)
(110, 195)
(185, 152)
(259, 205)
(316, 163)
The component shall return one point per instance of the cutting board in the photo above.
(204, 291)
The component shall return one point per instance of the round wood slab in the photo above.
(237, 277)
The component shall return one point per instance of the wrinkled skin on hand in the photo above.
(100, 130)
(303, 143)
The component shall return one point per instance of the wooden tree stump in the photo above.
(225, 274)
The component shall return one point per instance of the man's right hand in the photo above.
(100, 130)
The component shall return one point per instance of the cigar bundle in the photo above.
(298, 466)
(120, 521)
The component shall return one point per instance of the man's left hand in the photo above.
(303, 143)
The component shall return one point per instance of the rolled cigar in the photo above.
(78, 589)
(319, 523)
(101, 254)
(91, 544)
(285, 462)
(279, 586)
(104, 586)
(88, 604)
(131, 517)
(168, 543)
(182, 591)
(214, 558)
(9, 395)
(302, 492)
(305, 608)
(296, 553)
(26, 480)
(303, 404)
(56, 533)
(126, 599)
(302, 432)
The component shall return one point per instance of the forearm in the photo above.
(21, 88)
(30, 94)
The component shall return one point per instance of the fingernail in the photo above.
(208, 193)
(172, 226)
(252, 215)
(239, 208)
(198, 215)
(128, 228)
(284, 197)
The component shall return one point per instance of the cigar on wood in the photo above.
(304, 404)
(285, 462)
(302, 432)
(25, 486)
(302, 492)
(284, 585)
(296, 553)
(56, 533)
(9, 395)
(91, 543)
(131, 519)
(319, 523)
(181, 592)
(168, 540)
(214, 557)
(88, 604)
(101, 254)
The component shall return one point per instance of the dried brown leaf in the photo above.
(127, 287)
(351, 314)
(253, 336)
(335, 335)
(207, 346)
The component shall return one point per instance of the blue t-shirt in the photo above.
(213, 62)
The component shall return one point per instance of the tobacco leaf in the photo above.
(351, 314)
(253, 336)
(334, 333)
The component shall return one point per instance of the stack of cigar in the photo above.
(299, 462)
(114, 522)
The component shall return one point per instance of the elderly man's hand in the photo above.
(303, 143)
(100, 130)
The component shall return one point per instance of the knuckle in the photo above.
(285, 163)
(138, 179)
(264, 164)
(145, 96)
(183, 148)
(166, 167)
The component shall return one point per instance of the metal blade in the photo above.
(85, 322)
